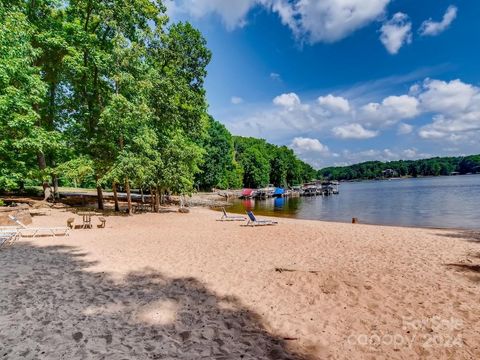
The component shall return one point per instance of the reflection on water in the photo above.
(432, 202)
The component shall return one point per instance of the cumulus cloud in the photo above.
(334, 103)
(396, 32)
(436, 113)
(390, 111)
(447, 97)
(236, 100)
(328, 20)
(232, 13)
(404, 129)
(457, 110)
(432, 28)
(290, 100)
(353, 131)
(310, 20)
(303, 145)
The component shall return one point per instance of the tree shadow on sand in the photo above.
(53, 307)
(468, 235)
(471, 270)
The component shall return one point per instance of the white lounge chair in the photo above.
(8, 236)
(45, 231)
(253, 221)
(226, 217)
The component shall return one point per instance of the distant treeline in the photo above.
(427, 167)
(235, 161)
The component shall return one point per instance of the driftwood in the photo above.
(280, 270)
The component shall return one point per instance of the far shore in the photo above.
(187, 286)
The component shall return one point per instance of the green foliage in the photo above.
(264, 163)
(77, 172)
(97, 93)
(21, 91)
(426, 167)
(219, 168)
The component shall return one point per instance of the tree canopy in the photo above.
(109, 94)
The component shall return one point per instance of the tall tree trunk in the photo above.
(115, 196)
(129, 196)
(42, 162)
(55, 183)
(55, 186)
(158, 193)
(152, 199)
(100, 197)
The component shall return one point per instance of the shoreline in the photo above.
(217, 209)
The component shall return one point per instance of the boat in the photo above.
(295, 191)
(265, 192)
(330, 188)
(279, 192)
(247, 194)
(310, 189)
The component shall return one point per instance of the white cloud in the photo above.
(447, 97)
(232, 13)
(311, 20)
(396, 32)
(328, 20)
(334, 103)
(311, 151)
(303, 145)
(290, 100)
(453, 108)
(390, 111)
(457, 111)
(432, 28)
(404, 129)
(353, 131)
(236, 100)
(275, 76)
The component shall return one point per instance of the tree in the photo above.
(219, 168)
(256, 168)
(21, 90)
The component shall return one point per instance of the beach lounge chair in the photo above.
(253, 221)
(8, 236)
(226, 217)
(33, 232)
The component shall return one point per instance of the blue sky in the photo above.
(344, 81)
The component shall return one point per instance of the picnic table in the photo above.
(87, 219)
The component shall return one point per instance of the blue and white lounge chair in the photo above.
(253, 221)
(226, 217)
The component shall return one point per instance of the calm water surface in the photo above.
(450, 202)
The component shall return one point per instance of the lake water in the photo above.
(449, 202)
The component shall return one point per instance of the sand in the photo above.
(185, 286)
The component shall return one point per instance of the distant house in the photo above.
(388, 173)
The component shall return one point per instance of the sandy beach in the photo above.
(185, 286)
